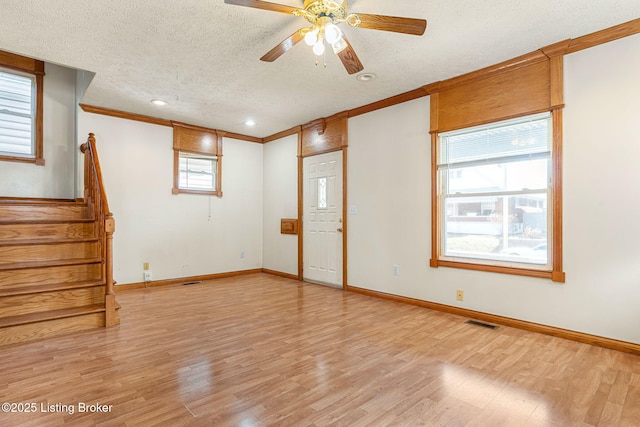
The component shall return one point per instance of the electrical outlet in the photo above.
(147, 275)
(396, 270)
(241, 254)
(460, 295)
(145, 266)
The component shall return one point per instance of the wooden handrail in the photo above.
(93, 152)
(96, 198)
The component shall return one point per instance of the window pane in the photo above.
(495, 188)
(197, 173)
(199, 181)
(492, 142)
(15, 134)
(16, 123)
(199, 165)
(15, 93)
(509, 228)
(322, 193)
(499, 177)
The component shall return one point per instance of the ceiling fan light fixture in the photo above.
(332, 33)
(311, 38)
(318, 48)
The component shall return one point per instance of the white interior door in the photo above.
(322, 218)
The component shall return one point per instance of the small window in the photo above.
(322, 193)
(21, 105)
(197, 172)
(495, 193)
(197, 160)
(17, 111)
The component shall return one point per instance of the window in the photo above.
(496, 169)
(495, 190)
(197, 160)
(322, 193)
(197, 172)
(17, 111)
(21, 104)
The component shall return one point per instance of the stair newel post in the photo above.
(88, 175)
(97, 202)
(110, 297)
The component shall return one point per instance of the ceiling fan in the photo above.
(324, 17)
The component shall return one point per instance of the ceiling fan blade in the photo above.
(275, 7)
(286, 44)
(349, 58)
(392, 23)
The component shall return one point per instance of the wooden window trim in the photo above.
(196, 140)
(30, 66)
(549, 77)
(176, 178)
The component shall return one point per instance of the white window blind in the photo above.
(510, 140)
(197, 172)
(17, 112)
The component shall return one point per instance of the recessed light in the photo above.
(365, 77)
(159, 102)
(250, 122)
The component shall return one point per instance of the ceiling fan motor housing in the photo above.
(317, 9)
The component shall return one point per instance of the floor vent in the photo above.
(191, 283)
(484, 325)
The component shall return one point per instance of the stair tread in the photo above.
(45, 221)
(24, 319)
(28, 201)
(37, 289)
(42, 264)
(46, 241)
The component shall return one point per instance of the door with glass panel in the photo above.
(322, 218)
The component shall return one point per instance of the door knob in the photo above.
(340, 229)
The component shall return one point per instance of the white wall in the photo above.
(389, 182)
(56, 179)
(280, 183)
(602, 152)
(179, 235)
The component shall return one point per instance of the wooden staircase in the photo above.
(55, 263)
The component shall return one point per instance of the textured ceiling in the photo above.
(202, 56)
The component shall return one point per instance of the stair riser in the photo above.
(80, 230)
(50, 275)
(35, 303)
(25, 213)
(35, 331)
(49, 252)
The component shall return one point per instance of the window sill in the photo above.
(38, 162)
(556, 276)
(201, 192)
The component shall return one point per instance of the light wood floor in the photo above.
(261, 350)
